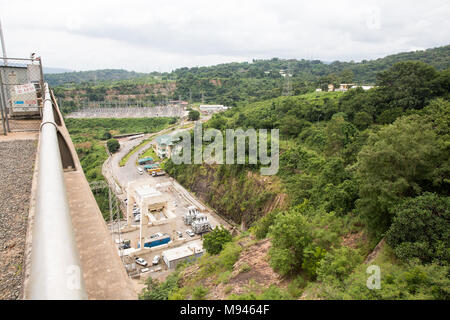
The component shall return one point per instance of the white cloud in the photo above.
(162, 35)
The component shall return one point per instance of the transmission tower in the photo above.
(287, 88)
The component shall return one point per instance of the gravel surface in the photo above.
(16, 174)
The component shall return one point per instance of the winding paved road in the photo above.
(127, 173)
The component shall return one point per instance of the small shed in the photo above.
(173, 257)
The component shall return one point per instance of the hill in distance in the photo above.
(307, 70)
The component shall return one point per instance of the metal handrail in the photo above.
(55, 264)
(22, 59)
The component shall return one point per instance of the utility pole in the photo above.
(2, 99)
(2, 40)
(1, 113)
(4, 113)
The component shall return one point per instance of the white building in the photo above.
(210, 108)
(345, 87)
(173, 257)
(163, 146)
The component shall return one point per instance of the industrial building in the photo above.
(173, 257)
(153, 205)
(211, 108)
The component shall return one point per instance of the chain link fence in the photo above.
(21, 94)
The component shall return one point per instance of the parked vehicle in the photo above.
(180, 234)
(141, 261)
(158, 173)
(190, 232)
(126, 244)
(156, 241)
(152, 168)
(137, 218)
(144, 161)
(156, 235)
(140, 170)
(156, 260)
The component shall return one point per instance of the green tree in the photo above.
(107, 135)
(339, 133)
(290, 235)
(215, 240)
(113, 145)
(401, 160)
(193, 115)
(362, 120)
(408, 85)
(421, 229)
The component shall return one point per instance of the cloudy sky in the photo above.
(154, 35)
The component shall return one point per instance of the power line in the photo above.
(287, 89)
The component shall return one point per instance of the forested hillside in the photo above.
(56, 79)
(356, 168)
(230, 83)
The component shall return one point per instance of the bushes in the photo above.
(261, 227)
(338, 264)
(199, 293)
(421, 229)
(113, 145)
(106, 136)
(295, 288)
(215, 240)
(271, 293)
(229, 255)
(301, 237)
(274, 293)
(290, 234)
(156, 290)
(412, 281)
(312, 256)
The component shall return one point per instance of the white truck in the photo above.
(158, 173)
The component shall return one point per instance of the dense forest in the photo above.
(56, 79)
(230, 83)
(372, 166)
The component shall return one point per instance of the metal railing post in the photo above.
(55, 264)
(3, 103)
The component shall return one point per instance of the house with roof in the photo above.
(163, 146)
